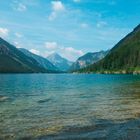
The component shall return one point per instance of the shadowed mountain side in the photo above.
(43, 62)
(12, 60)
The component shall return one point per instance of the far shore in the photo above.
(110, 72)
(102, 72)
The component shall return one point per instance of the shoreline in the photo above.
(124, 72)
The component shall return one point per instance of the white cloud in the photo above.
(76, 0)
(57, 7)
(67, 52)
(17, 45)
(47, 53)
(51, 45)
(18, 35)
(84, 25)
(52, 16)
(71, 53)
(19, 6)
(35, 51)
(101, 24)
(4, 32)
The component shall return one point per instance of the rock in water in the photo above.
(44, 100)
(3, 98)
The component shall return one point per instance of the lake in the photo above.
(69, 106)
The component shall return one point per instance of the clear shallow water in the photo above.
(66, 106)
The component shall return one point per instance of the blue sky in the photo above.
(68, 27)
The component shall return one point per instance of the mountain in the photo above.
(13, 60)
(43, 62)
(59, 62)
(124, 57)
(88, 59)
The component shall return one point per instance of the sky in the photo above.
(68, 27)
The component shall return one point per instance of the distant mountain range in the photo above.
(124, 57)
(88, 59)
(43, 62)
(12, 60)
(61, 63)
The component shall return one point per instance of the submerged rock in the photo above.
(3, 98)
(44, 100)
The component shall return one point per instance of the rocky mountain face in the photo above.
(61, 63)
(88, 59)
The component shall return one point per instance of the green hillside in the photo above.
(123, 58)
(14, 61)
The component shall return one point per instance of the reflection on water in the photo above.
(69, 106)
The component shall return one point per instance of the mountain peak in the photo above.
(60, 62)
(55, 55)
(43, 62)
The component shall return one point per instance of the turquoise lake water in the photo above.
(69, 106)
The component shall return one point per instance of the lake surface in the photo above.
(69, 106)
